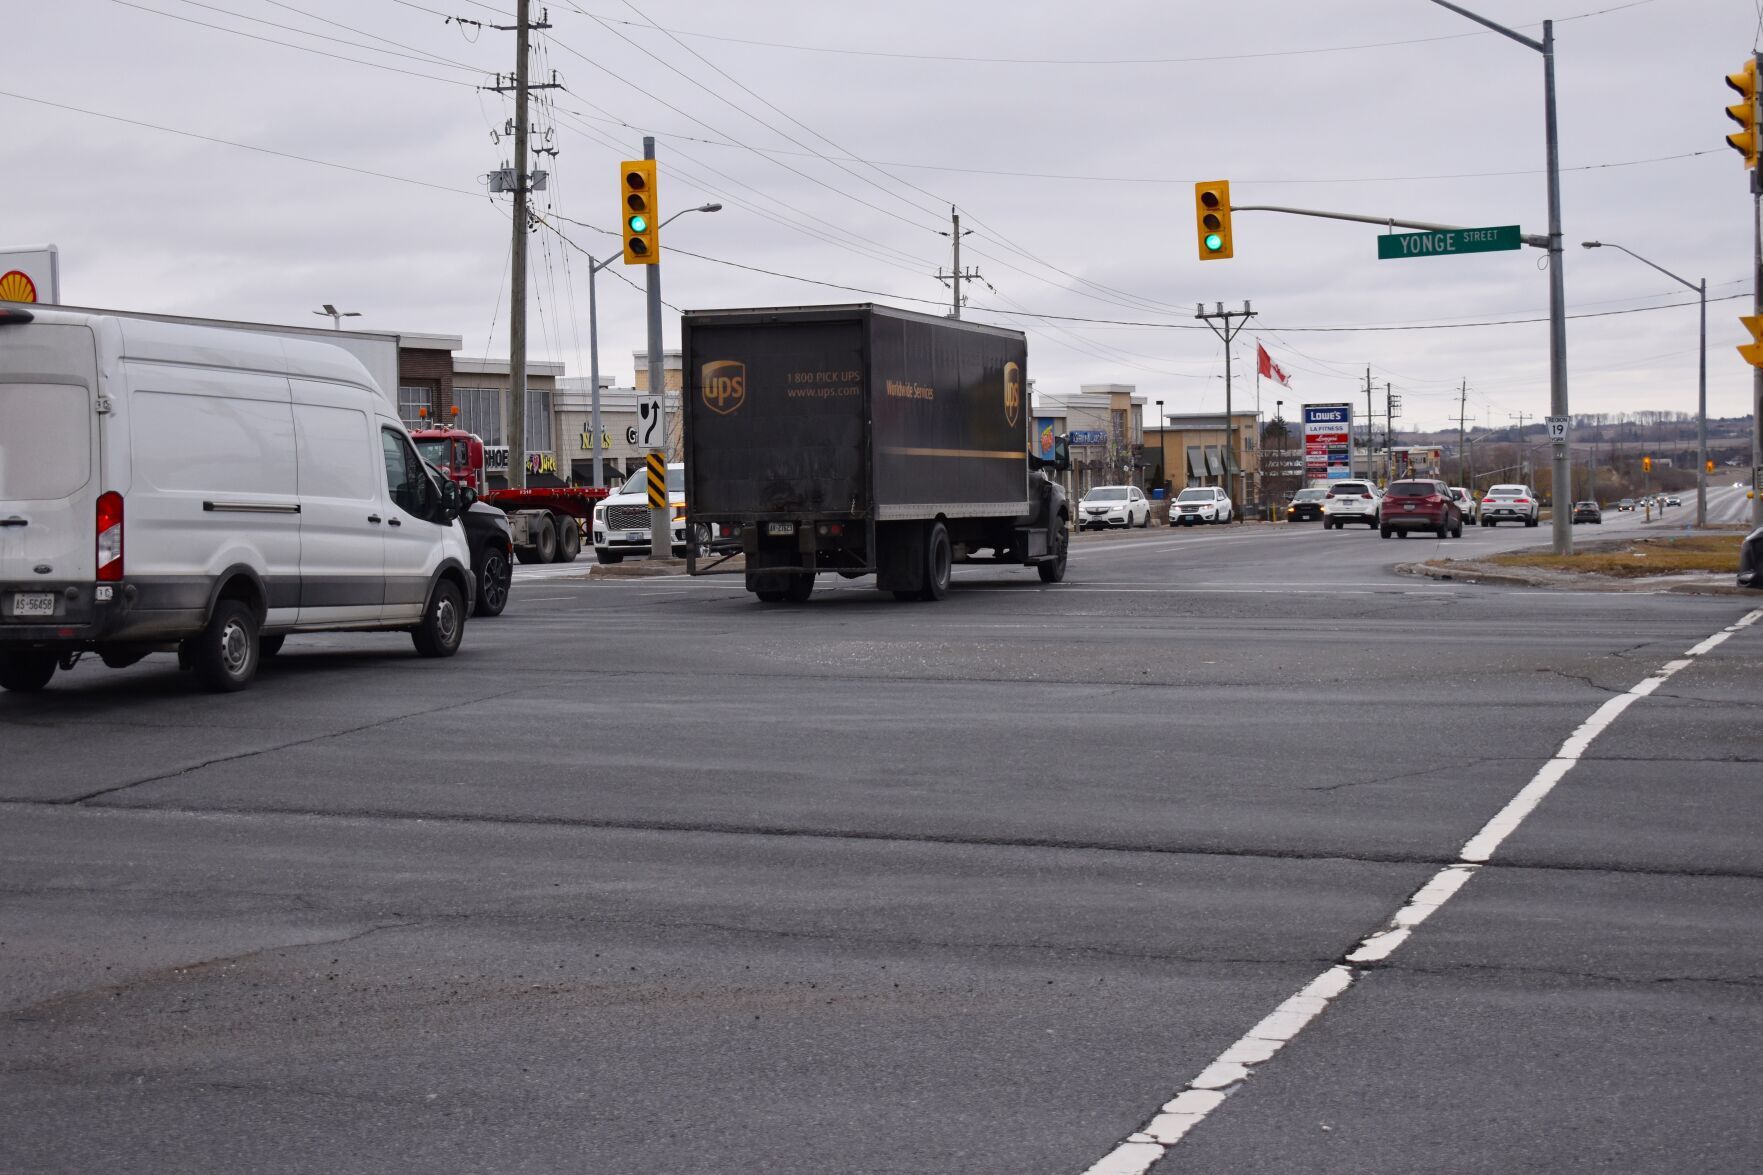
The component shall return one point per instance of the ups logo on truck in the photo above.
(1012, 393)
(724, 385)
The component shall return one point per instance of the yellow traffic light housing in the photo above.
(1709, 465)
(1646, 465)
(638, 212)
(1212, 219)
(1753, 352)
(1744, 140)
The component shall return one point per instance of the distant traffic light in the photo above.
(638, 212)
(1753, 351)
(1646, 465)
(1744, 140)
(1212, 219)
(1709, 465)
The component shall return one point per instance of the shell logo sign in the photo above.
(17, 286)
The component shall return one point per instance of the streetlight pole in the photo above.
(1701, 289)
(1561, 521)
(595, 265)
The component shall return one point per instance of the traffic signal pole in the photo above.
(1757, 372)
(660, 520)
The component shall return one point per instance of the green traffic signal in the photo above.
(1214, 242)
(638, 224)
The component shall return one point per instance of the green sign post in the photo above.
(1449, 241)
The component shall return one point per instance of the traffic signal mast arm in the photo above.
(1535, 240)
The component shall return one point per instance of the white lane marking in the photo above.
(1233, 1067)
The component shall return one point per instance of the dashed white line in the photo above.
(1233, 1067)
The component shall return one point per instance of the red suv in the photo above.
(1420, 504)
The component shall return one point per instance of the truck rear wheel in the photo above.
(799, 589)
(544, 540)
(569, 538)
(939, 563)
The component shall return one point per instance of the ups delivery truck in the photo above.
(865, 440)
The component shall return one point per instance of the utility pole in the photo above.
(1757, 308)
(1370, 424)
(955, 277)
(522, 187)
(1524, 453)
(1226, 334)
(1390, 404)
(1462, 451)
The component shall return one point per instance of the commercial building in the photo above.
(1196, 450)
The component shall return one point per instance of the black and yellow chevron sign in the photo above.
(657, 481)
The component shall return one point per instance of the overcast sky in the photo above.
(1384, 107)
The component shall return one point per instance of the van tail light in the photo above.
(110, 537)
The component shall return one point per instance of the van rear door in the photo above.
(49, 467)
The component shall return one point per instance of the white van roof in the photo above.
(212, 346)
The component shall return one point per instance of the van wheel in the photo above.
(939, 563)
(269, 646)
(569, 538)
(26, 671)
(494, 576)
(443, 622)
(226, 652)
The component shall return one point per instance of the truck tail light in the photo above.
(110, 536)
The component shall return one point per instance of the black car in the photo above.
(1751, 560)
(1588, 512)
(492, 550)
(1306, 506)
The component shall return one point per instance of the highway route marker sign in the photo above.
(1557, 428)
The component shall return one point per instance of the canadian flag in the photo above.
(1266, 366)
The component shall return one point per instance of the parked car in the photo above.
(1625, 504)
(1306, 505)
(170, 487)
(1465, 503)
(1109, 506)
(1510, 503)
(1198, 504)
(1751, 560)
(1351, 500)
(1588, 512)
(1418, 503)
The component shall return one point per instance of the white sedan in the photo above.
(1106, 506)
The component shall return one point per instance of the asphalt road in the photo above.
(652, 878)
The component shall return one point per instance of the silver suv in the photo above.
(1510, 503)
(1352, 500)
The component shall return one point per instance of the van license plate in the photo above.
(33, 604)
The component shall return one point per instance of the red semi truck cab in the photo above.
(455, 452)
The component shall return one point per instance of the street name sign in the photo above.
(1458, 240)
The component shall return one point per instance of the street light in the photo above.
(595, 265)
(1701, 289)
(336, 316)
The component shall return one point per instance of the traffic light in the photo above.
(1646, 465)
(1744, 140)
(1753, 351)
(1212, 219)
(1709, 465)
(642, 226)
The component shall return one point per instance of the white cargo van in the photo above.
(166, 487)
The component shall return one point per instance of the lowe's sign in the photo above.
(1328, 441)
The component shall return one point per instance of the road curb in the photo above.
(1470, 571)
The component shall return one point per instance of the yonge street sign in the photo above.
(1458, 240)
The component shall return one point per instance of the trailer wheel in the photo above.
(939, 563)
(569, 537)
(544, 537)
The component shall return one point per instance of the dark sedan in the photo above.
(1306, 506)
(1588, 512)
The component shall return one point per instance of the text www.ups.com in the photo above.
(822, 385)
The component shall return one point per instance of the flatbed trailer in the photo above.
(549, 523)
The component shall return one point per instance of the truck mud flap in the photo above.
(899, 556)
